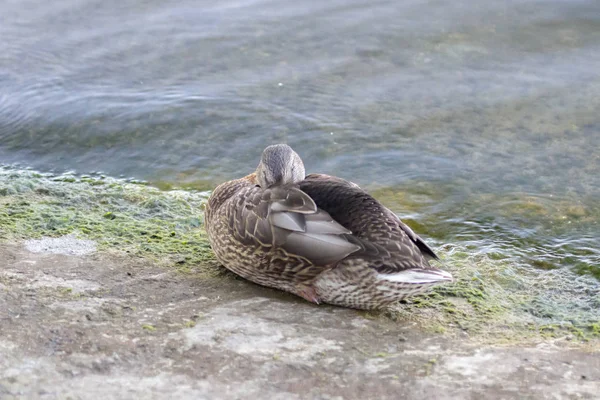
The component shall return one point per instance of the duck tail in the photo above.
(418, 276)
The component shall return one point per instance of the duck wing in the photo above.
(375, 226)
(288, 218)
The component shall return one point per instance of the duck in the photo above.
(317, 236)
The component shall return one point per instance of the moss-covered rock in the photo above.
(118, 215)
(494, 296)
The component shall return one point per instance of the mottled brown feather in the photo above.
(244, 211)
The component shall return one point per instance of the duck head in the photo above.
(279, 165)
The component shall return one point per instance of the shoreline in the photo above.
(128, 293)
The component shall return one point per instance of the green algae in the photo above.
(149, 328)
(504, 302)
(132, 218)
(193, 185)
(189, 324)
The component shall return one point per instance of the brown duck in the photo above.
(320, 237)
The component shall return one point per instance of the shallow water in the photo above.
(478, 122)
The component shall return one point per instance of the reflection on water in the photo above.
(492, 105)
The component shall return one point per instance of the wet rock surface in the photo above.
(117, 327)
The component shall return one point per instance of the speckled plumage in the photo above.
(322, 238)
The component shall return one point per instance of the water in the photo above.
(478, 121)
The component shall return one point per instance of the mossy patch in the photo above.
(149, 328)
(118, 215)
(498, 301)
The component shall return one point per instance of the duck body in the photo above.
(320, 237)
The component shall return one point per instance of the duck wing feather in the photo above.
(288, 218)
(383, 237)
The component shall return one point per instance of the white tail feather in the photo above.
(417, 276)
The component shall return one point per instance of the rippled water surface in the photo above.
(478, 121)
